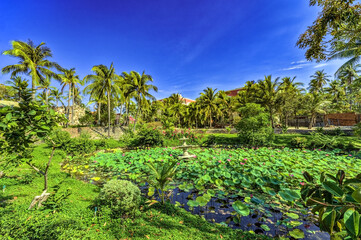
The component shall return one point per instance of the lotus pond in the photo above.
(253, 189)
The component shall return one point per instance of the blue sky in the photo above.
(186, 45)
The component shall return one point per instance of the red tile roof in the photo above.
(233, 92)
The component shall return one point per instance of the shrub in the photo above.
(121, 196)
(357, 130)
(60, 138)
(320, 130)
(228, 130)
(149, 138)
(320, 140)
(299, 142)
(284, 128)
(211, 140)
(254, 128)
(335, 132)
(87, 119)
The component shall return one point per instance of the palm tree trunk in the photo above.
(312, 120)
(72, 107)
(99, 106)
(33, 88)
(271, 118)
(210, 119)
(68, 109)
(108, 113)
(136, 116)
(127, 114)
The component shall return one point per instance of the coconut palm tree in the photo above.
(348, 75)
(33, 60)
(208, 101)
(56, 94)
(140, 90)
(289, 89)
(68, 78)
(317, 103)
(318, 80)
(268, 95)
(105, 82)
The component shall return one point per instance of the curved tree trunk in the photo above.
(99, 106)
(33, 88)
(68, 109)
(108, 113)
(72, 107)
(312, 120)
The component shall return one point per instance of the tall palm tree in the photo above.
(140, 90)
(33, 60)
(208, 101)
(289, 89)
(104, 81)
(268, 95)
(317, 103)
(347, 75)
(45, 85)
(56, 94)
(68, 78)
(318, 80)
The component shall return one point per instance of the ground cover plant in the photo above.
(255, 180)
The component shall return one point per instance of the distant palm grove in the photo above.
(130, 94)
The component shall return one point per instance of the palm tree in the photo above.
(208, 101)
(289, 89)
(350, 50)
(316, 104)
(226, 105)
(45, 85)
(56, 94)
(68, 78)
(319, 79)
(140, 90)
(268, 95)
(347, 75)
(33, 60)
(105, 82)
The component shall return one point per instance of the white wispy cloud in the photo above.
(298, 62)
(295, 67)
(320, 65)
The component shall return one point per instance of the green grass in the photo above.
(75, 219)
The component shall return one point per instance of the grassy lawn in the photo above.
(74, 217)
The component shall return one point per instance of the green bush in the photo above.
(357, 130)
(149, 138)
(87, 119)
(322, 141)
(121, 196)
(299, 142)
(254, 128)
(210, 140)
(60, 138)
(335, 132)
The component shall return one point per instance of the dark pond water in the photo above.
(219, 210)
